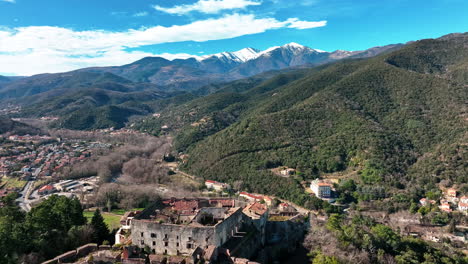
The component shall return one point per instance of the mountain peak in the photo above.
(294, 45)
(242, 55)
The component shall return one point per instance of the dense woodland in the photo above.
(53, 227)
(398, 119)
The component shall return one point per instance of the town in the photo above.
(29, 163)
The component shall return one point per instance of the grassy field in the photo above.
(122, 211)
(112, 220)
(12, 182)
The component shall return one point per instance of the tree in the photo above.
(101, 230)
(319, 258)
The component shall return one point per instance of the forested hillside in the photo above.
(396, 119)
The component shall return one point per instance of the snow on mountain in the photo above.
(248, 54)
(293, 47)
(240, 56)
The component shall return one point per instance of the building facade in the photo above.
(321, 189)
(176, 229)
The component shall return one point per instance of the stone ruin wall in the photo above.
(174, 239)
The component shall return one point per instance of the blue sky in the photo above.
(61, 35)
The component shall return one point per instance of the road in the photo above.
(24, 201)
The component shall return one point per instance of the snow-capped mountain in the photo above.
(226, 66)
(248, 54)
(240, 56)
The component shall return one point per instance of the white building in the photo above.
(287, 172)
(218, 186)
(321, 189)
(463, 204)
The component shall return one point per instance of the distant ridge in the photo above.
(198, 71)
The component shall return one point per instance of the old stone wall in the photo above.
(283, 238)
(226, 229)
(72, 255)
(171, 239)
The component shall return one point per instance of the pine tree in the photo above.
(101, 230)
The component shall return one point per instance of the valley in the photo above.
(349, 157)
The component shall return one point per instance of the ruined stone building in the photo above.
(189, 226)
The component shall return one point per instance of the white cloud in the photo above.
(208, 6)
(38, 49)
(296, 23)
(8, 1)
(140, 14)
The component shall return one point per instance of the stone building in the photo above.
(180, 226)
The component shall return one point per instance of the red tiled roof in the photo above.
(46, 188)
(185, 205)
(258, 208)
(251, 195)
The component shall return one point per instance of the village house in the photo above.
(452, 193)
(463, 204)
(46, 189)
(287, 172)
(283, 206)
(218, 186)
(251, 197)
(425, 201)
(444, 206)
(321, 189)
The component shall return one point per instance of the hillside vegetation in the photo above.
(396, 118)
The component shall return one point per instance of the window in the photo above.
(189, 238)
(141, 234)
(165, 236)
(189, 246)
(154, 243)
(142, 242)
(177, 244)
(177, 237)
(166, 244)
(153, 235)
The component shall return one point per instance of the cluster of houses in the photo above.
(23, 161)
(281, 208)
(48, 158)
(29, 138)
(449, 202)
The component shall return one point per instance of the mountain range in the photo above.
(135, 89)
(195, 72)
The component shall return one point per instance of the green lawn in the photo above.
(112, 220)
(122, 211)
(12, 182)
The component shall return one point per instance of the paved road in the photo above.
(24, 201)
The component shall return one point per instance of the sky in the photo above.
(48, 36)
